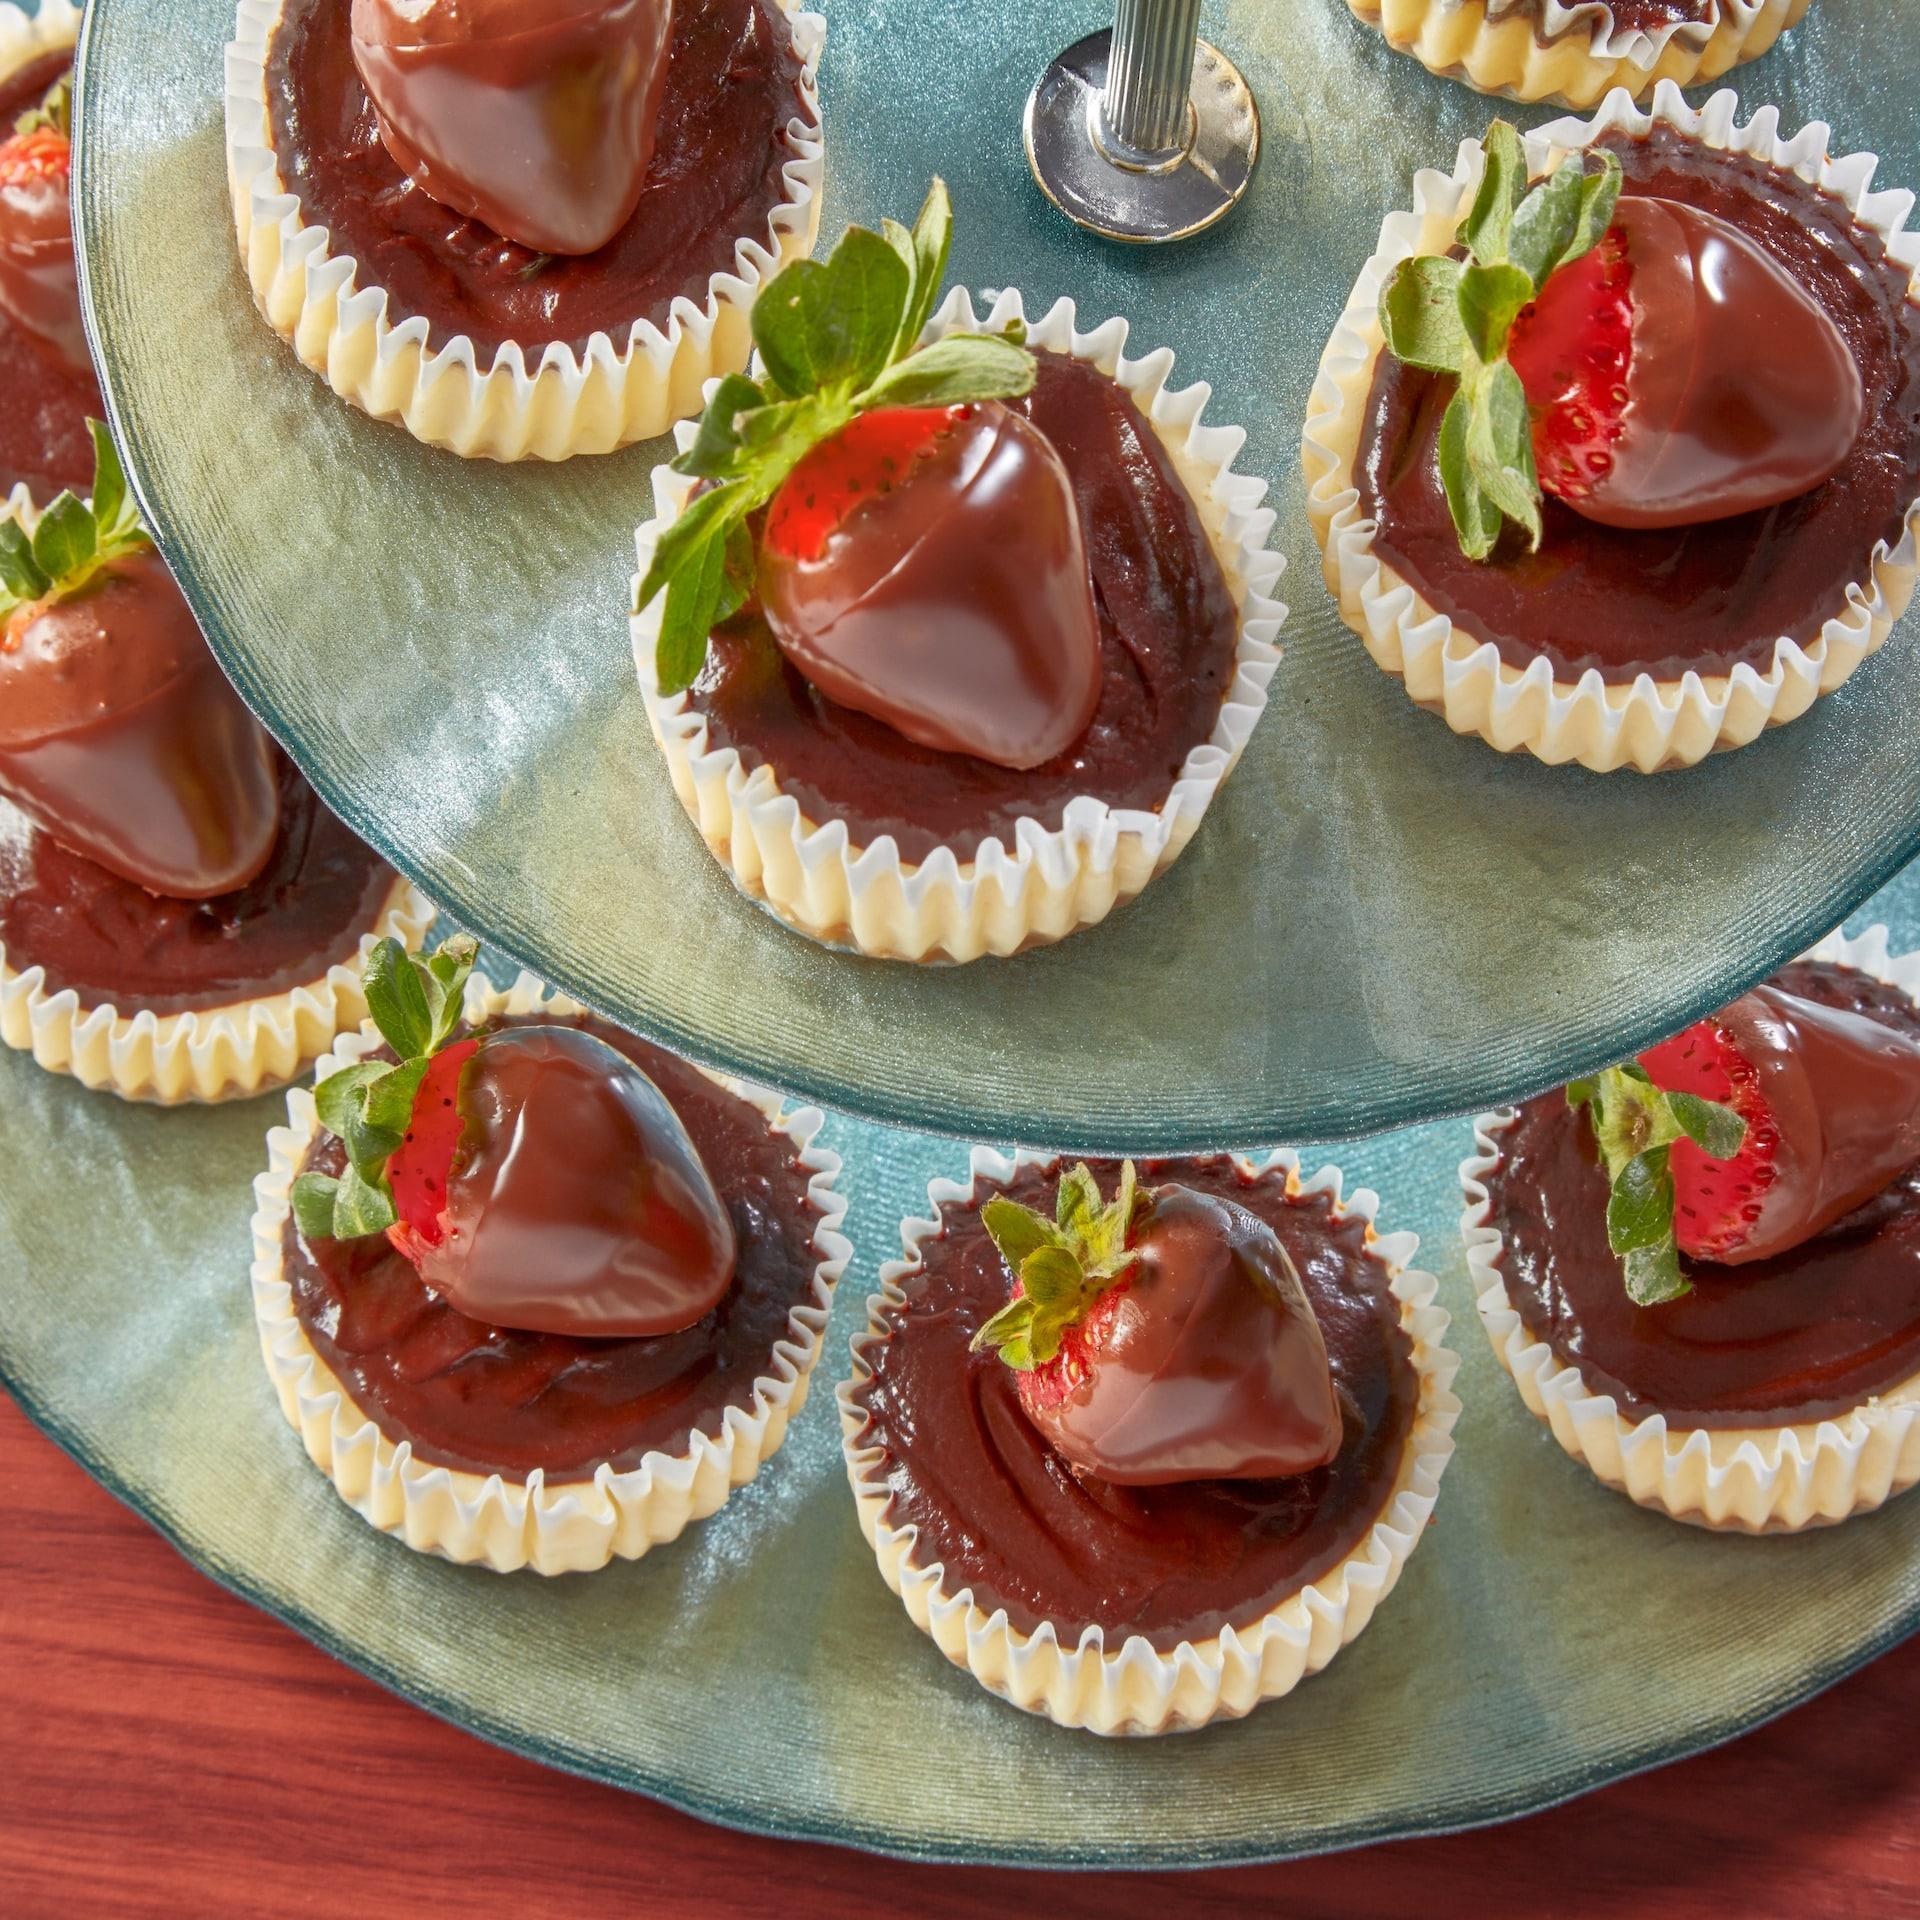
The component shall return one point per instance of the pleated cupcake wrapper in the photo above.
(225, 1053)
(1755, 1479)
(981, 897)
(1649, 724)
(565, 403)
(24, 36)
(506, 1524)
(1136, 1689)
(1573, 55)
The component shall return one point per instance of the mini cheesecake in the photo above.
(414, 226)
(1641, 641)
(983, 656)
(47, 386)
(1201, 1491)
(1573, 54)
(1772, 1380)
(590, 1325)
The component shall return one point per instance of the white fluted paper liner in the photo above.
(224, 1053)
(1136, 1689)
(24, 36)
(566, 403)
(1572, 55)
(963, 901)
(506, 1524)
(1648, 724)
(1732, 1479)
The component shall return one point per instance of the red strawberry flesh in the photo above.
(927, 567)
(1832, 1105)
(420, 1169)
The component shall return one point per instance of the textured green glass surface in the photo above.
(1547, 1636)
(1379, 921)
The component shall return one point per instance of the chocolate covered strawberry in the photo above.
(119, 735)
(1750, 1132)
(1162, 1336)
(1642, 360)
(533, 1174)
(921, 557)
(39, 289)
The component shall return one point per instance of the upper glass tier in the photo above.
(1379, 922)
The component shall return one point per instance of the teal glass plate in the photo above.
(1547, 1635)
(1379, 921)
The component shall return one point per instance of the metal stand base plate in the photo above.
(1136, 197)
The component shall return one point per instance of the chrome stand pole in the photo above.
(1143, 132)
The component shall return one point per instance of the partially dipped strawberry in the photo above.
(39, 289)
(1643, 360)
(1677, 374)
(119, 735)
(1161, 1337)
(926, 566)
(534, 117)
(1751, 1132)
(534, 1175)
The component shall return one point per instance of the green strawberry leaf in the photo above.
(1653, 1275)
(1599, 195)
(445, 985)
(1476, 520)
(22, 576)
(836, 338)
(1499, 447)
(388, 1101)
(1714, 1129)
(341, 1098)
(1052, 1277)
(1640, 1207)
(66, 539)
(1501, 184)
(1489, 297)
(961, 368)
(1076, 1201)
(397, 999)
(361, 1206)
(1420, 313)
(1016, 1230)
(54, 112)
(314, 1195)
(1544, 222)
(113, 509)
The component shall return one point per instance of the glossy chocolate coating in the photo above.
(1804, 1335)
(1658, 601)
(1168, 628)
(720, 144)
(45, 402)
(39, 287)
(488, 1399)
(1844, 1092)
(1744, 392)
(1211, 1366)
(1004, 1514)
(112, 941)
(577, 1204)
(120, 736)
(956, 607)
(534, 117)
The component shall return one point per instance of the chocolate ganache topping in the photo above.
(1629, 16)
(113, 942)
(1705, 594)
(576, 1202)
(1005, 1514)
(484, 1398)
(1802, 1333)
(46, 398)
(953, 601)
(731, 85)
(535, 117)
(121, 738)
(1167, 629)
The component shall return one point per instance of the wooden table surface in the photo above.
(167, 1751)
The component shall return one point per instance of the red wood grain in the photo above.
(148, 1769)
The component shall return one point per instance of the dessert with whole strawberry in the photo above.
(1141, 1448)
(946, 639)
(535, 1292)
(1623, 467)
(180, 917)
(47, 386)
(1703, 1265)
(1573, 51)
(579, 193)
